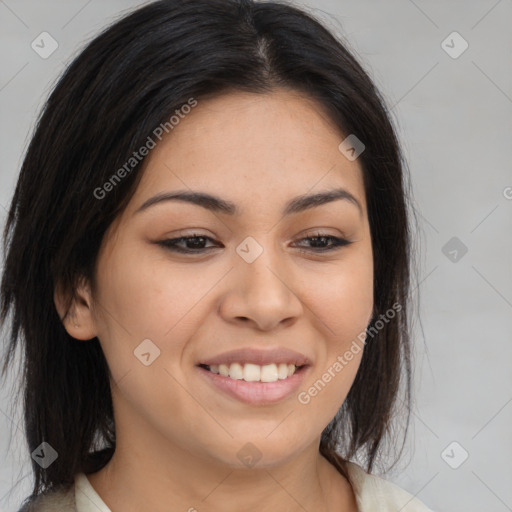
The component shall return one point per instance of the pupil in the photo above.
(317, 238)
(197, 241)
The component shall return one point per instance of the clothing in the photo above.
(373, 494)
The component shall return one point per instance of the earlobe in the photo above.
(76, 312)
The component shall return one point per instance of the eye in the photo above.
(196, 244)
(320, 242)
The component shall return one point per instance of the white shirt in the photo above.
(373, 494)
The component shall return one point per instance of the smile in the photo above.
(253, 372)
(256, 391)
(255, 376)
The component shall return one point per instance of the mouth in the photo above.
(250, 372)
(255, 376)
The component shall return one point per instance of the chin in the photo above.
(258, 453)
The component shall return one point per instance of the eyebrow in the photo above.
(217, 204)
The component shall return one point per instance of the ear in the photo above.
(76, 313)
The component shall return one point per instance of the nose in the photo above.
(262, 293)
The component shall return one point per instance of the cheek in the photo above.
(343, 308)
(341, 297)
(143, 297)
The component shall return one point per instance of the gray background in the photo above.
(454, 120)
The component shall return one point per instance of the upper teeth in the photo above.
(253, 372)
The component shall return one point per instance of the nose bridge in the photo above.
(262, 291)
(260, 263)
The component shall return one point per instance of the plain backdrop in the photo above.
(444, 68)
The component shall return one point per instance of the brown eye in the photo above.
(194, 244)
(324, 243)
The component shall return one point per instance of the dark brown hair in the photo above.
(127, 81)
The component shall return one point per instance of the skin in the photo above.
(177, 435)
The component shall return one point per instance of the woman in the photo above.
(207, 266)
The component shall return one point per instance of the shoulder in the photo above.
(375, 493)
(62, 500)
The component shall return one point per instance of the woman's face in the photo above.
(253, 292)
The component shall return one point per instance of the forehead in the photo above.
(253, 149)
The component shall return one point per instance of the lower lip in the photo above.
(256, 392)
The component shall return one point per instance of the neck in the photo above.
(149, 471)
(142, 476)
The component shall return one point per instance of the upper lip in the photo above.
(259, 357)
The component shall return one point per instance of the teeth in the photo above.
(252, 372)
(269, 373)
(236, 371)
(255, 373)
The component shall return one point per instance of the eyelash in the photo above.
(171, 244)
